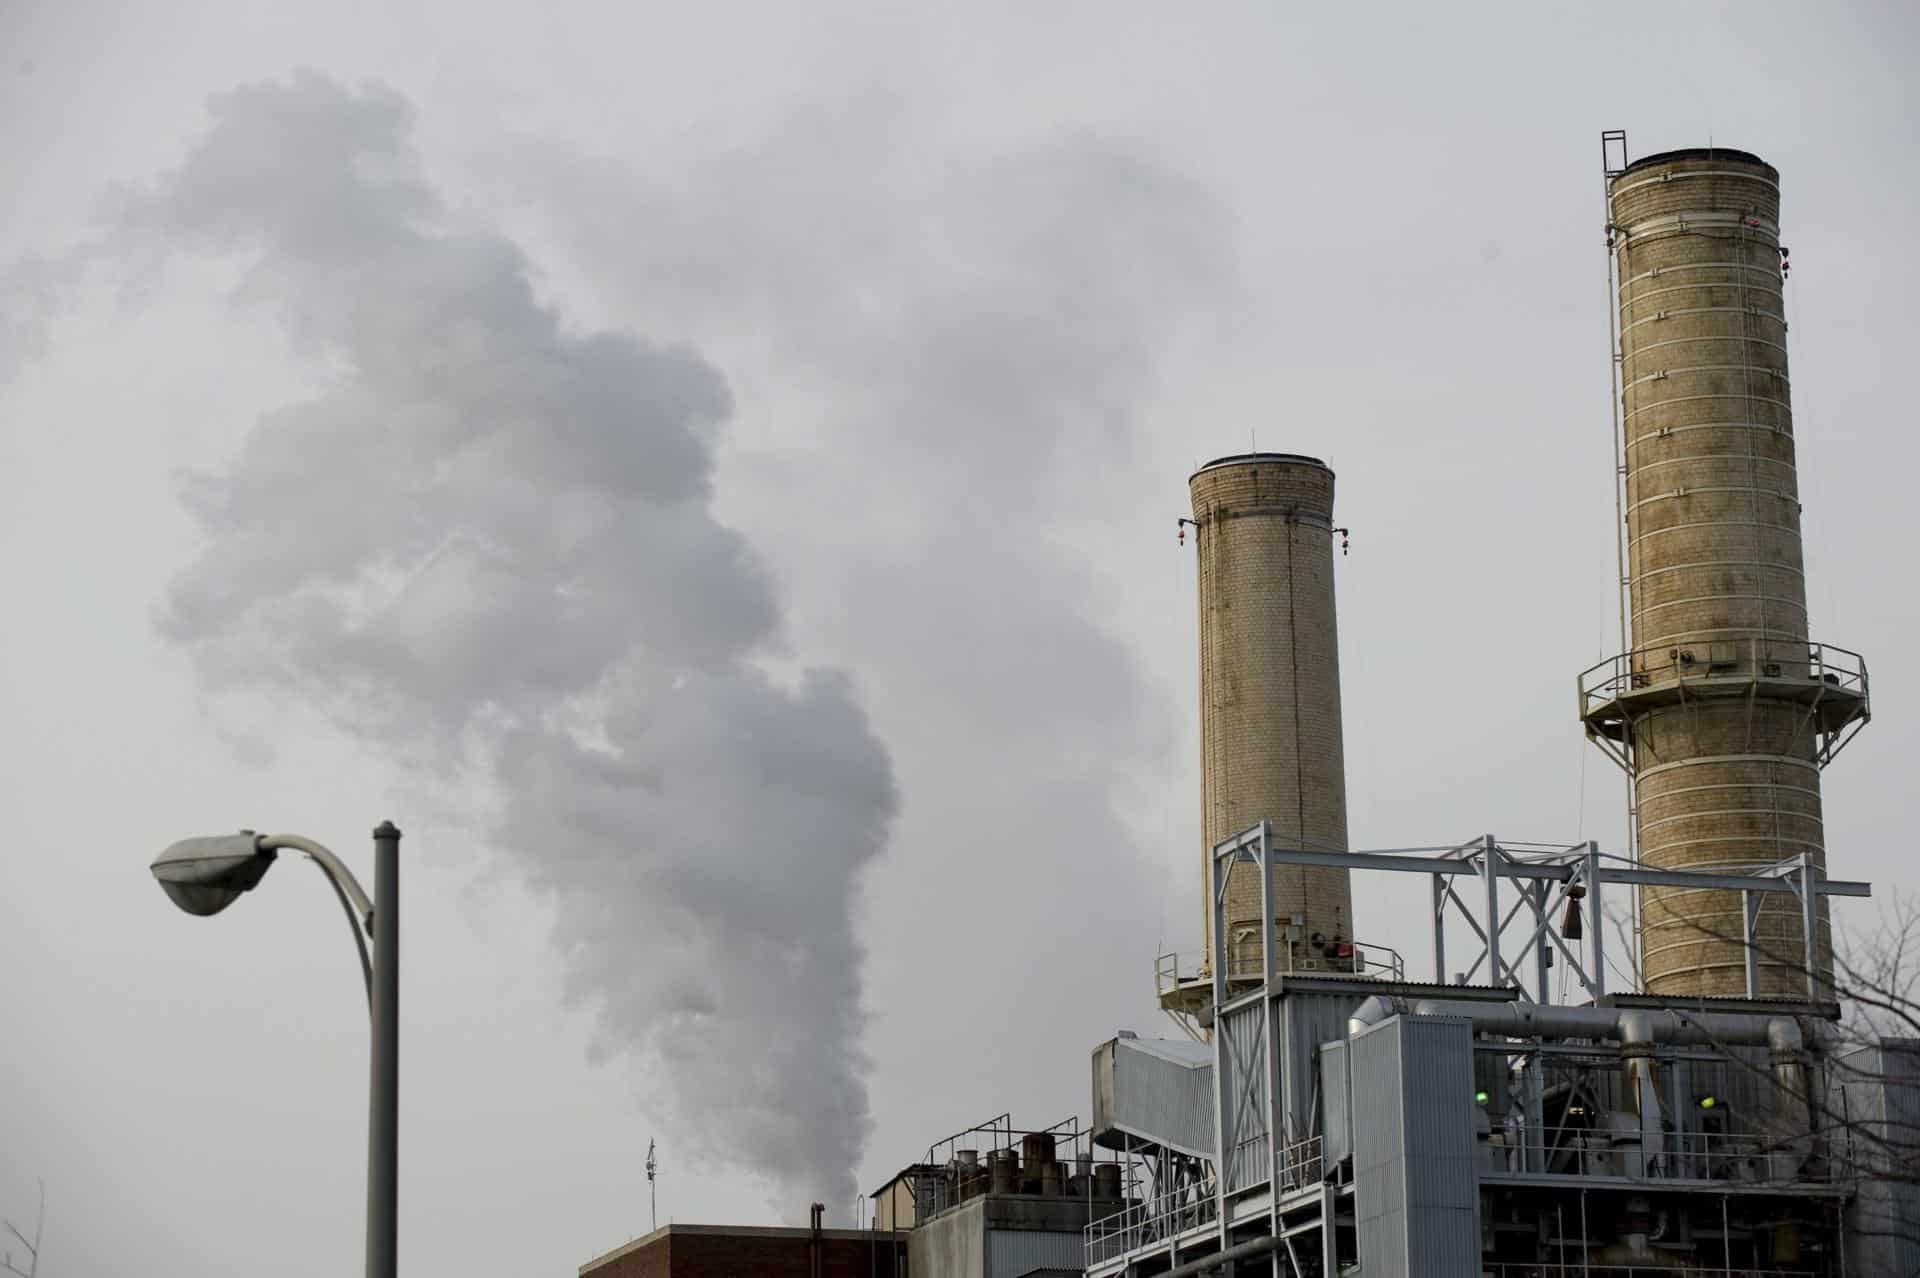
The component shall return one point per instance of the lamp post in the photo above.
(206, 875)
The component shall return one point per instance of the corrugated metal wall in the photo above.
(1243, 1030)
(1416, 1193)
(1307, 1019)
(1379, 1176)
(1877, 1091)
(1012, 1252)
(1337, 1088)
(1155, 1091)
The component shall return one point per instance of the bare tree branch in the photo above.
(33, 1248)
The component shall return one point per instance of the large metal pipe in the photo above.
(1519, 1019)
(1270, 732)
(1219, 1259)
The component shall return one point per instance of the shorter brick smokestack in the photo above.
(1270, 735)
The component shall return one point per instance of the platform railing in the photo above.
(1166, 1216)
(1153, 1220)
(1740, 1157)
(1733, 660)
(1301, 1164)
(1375, 962)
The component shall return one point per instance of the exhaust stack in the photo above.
(1270, 735)
(1724, 711)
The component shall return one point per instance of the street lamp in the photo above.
(204, 876)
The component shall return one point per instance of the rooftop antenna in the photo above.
(653, 1196)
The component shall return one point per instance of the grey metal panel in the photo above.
(1416, 1193)
(1243, 1031)
(1336, 1088)
(1877, 1094)
(1154, 1092)
(1443, 1194)
(1014, 1252)
(1380, 1197)
(1307, 1019)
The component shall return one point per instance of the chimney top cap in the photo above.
(1726, 153)
(1252, 459)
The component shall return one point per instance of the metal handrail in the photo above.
(1745, 1156)
(1154, 1221)
(1301, 1163)
(1723, 661)
(1374, 961)
(1150, 1221)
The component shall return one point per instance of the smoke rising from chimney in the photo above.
(490, 539)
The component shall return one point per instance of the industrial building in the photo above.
(1527, 1113)
(1324, 1116)
(735, 1251)
(997, 1199)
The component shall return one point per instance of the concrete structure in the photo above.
(1003, 1236)
(1270, 727)
(996, 1201)
(733, 1251)
(1723, 709)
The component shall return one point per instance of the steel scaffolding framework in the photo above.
(1543, 877)
(1250, 1150)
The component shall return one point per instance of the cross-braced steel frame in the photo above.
(1541, 879)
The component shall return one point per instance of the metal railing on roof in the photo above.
(1150, 1222)
(1376, 962)
(1156, 1221)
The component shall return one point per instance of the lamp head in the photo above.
(206, 875)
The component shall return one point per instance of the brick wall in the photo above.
(1713, 558)
(1270, 727)
(718, 1252)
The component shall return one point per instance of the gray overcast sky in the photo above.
(920, 315)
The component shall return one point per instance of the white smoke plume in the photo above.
(501, 530)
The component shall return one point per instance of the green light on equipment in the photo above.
(1479, 1098)
(1707, 1102)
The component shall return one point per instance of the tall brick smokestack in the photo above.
(1723, 710)
(1270, 692)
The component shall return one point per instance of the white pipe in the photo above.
(1519, 1019)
